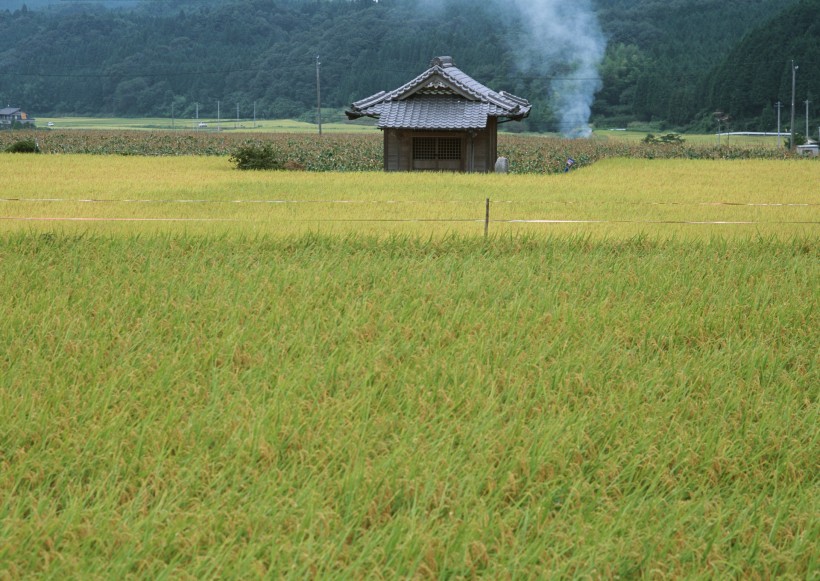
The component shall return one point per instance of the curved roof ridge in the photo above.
(504, 104)
(485, 91)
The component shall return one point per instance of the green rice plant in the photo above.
(179, 405)
(208, 373)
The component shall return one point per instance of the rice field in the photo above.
(247, 125)
(769, 140)
(281, 377)
(203, 125)
(613, 198)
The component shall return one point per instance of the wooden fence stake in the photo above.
(487, 219)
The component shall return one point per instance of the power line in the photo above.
(130, 74)
(338, 69)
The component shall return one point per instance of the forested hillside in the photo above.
(660, 52)
(661, 63)
(757, 73)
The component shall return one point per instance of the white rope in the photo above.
(195, 201)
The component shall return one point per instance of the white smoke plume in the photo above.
(559, 40)
(564, 40)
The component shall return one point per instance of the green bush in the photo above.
(24, 146)
(256, 157)
(799, 139)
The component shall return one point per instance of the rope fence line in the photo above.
(363, 202)
(410, 220)
(92, 219)
(716, 222)
(486, 221)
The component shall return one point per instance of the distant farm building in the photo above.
(443, 120)
(12, 115)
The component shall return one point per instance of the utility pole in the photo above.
(254, 114)
(218, 118)
(237, 116)
(779, 106)
(807, 118)
(721, 116)
(197, 117)
(318, 94)
(172, 116)
(794, 84)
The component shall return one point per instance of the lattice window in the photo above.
(424, 148)
(449, 148)
(432, 148)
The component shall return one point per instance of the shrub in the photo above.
(256, 157)
(24, 146)
(799, 139)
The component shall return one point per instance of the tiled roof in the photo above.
(442, 97)
(434, 112)
(9, 111)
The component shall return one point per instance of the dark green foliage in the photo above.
(23, 146)
(255, 156)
